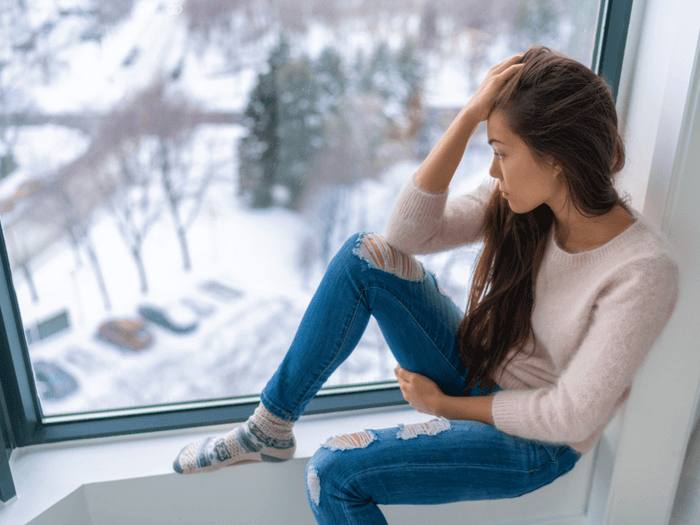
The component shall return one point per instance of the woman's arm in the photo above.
(438, 168)
(629, 314)
(436, 171)
(477, 408)
(422, 220)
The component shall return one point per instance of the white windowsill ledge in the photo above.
(45, 474)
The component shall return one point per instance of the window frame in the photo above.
(21, 423)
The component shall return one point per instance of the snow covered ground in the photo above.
(238, 347)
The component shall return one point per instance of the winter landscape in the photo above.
(175, 176)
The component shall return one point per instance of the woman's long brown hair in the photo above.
(563, 111)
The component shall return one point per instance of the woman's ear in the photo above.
(549, 162)
(556, 167)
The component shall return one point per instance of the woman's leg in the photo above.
(367, 277)
(438, 461)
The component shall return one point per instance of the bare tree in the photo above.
(169, 131)
(75, 204)
(351, 154)
(133, 204)
(20, 255)
(184, 195)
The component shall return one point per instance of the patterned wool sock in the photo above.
(262, 437)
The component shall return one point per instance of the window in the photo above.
(175, 176)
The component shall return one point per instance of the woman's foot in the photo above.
(262, 437)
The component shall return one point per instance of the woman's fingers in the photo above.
(503, 66)
(509, 70)
(499, 68)
(401, 374)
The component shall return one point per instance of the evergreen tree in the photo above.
(376, 74)
(410, 70)
(535, 22)
(428, 33)
(300, 127)
(258, 151)
(285, 129)
(300, 109)
(394, 76)
(331, 78)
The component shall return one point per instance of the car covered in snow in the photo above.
(52, 381)
(174, 317)
(198, 306)
(220, 290)
(128, 333)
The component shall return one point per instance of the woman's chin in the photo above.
(514, 207)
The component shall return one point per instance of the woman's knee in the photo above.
(375, 250)
(333, 462)
(323, 475)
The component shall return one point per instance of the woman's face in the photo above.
(526, 181)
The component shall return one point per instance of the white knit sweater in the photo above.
(596, 315)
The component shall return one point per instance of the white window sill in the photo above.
(139, 467)
(44, 474)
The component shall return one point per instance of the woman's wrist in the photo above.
(477, 408)
(470, 113)
(439, 406)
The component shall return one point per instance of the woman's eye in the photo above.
(498, 155)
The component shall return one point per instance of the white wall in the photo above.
(659, 107)
(684, 221)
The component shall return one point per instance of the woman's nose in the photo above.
(494, 171)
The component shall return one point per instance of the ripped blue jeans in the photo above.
(436, 461)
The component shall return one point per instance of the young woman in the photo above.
(571, 289)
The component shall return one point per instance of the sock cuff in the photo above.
(270, 424)
(262, 411)
(268, 440)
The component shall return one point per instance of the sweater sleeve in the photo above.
(629, 314)
(425, 222)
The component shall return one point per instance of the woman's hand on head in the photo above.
(481, 102)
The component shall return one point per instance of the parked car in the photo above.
(128, 333)
(47, 327)
(52, 381)
(173, 317)
(220, 290)
(198, 306)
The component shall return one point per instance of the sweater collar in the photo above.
(587, 256)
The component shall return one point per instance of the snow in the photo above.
(236, 348)
(95, 79)
(40, 150)
(251, 251)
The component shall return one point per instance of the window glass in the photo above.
(175, 176)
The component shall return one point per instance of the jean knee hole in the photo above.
(313, 484)
(432, 427)
(350, 441)
(380, 255)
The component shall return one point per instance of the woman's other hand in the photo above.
(481, 102)
(421, 392)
